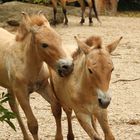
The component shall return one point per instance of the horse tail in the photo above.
(95, 11)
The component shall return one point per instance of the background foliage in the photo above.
(5, 114)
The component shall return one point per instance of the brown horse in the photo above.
(82, 3)
(21, 64)
(86, 90)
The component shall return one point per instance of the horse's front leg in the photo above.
(14, 106)
(83, 8)
(103, 120)
(23, 99)
(86, 122)
(57, 112)
(54, 3)
(90, 16)
(47, 93)
(63, 2)
(90, 12)
(94, 123)
(70, 135)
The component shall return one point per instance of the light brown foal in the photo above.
(21, 65)
(86, 90)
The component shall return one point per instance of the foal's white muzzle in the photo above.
(103, 98)
(65, 67)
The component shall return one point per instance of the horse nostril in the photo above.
(100, 101)
(65, 67)
(103, 103)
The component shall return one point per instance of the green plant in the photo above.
(5, 114)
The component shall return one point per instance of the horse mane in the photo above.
(25, 26)
(37, 20)
(92, 41)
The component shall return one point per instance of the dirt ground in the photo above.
(124, 110)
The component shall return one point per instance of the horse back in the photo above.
(6, 41)
(6, 38)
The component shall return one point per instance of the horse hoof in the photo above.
(82, 21)
(54, 22)
(98, 138)
(27, 138)
(65, 24)
(90, 24)
(70, 137)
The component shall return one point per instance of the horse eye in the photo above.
(44, 45)
(90, 71)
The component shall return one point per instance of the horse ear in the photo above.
(24, 27)
(82, 45)
(26, 21)
(111, 47)
(26, 17)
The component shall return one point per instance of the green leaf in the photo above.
(4, 100)
(10, 124)
(5, 114)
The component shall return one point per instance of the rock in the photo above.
(10, 12)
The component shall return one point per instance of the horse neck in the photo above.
(33, 62)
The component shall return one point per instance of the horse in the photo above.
(82, 3)
(86, 89)
(22, 70)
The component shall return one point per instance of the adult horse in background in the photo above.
(86, 90)
(21, 64)
(91, 4)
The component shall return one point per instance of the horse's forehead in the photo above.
(48, 34)
(100, 56)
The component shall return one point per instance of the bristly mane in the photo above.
(37, 20)
(25, 28)
(93, 41)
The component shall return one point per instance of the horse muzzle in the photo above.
(104, 99)
(65, 67)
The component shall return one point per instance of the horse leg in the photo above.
(114, 4)
(70, 135)
(14, 106)
(54, 3)
(63, 2)
(23, 99)
(86, 122)
(57, 112)
(102, 118)
(83, 8)
(90, 13)
(94, 123)
(46, 92)
(95, 10)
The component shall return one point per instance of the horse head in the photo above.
(46, 41)
(99, 66)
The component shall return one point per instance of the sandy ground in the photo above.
(124, 110)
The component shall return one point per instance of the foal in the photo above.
(86, 90)
(21, 64)
(82, 3)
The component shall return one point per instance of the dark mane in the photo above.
(25, 26)
(93, 41)
(37, 20)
